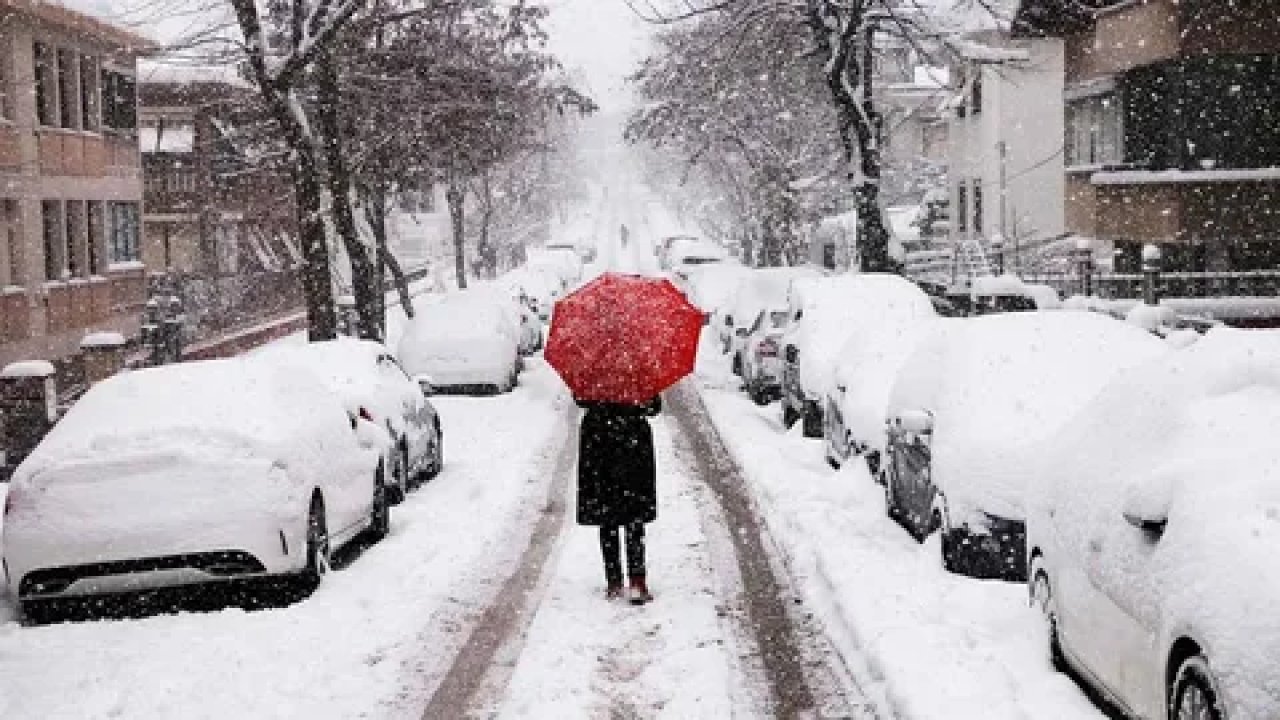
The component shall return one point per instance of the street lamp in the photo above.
(1151, 257)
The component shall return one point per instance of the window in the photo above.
(10, 239)
(77, 233)
(119, 101)
(122, 231)
(1095, 131)
(89, 93)
(55, 242)
(68, 89)
(97, 240)
(975, 93)
(6, 76)
(962, 205)
(977, 206)
(46, 84)
(181, 179)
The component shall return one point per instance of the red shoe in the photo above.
(638, 593)
(613, 592)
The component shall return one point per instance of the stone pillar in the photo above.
(28, 407)
(103, 355)
(1151, 257)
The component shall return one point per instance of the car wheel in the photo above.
(317, 546)
(789, 415)
(1042, 599)
(937, 524)
(380, 511)
(737, 365)
(40, 612)
(1193, 696)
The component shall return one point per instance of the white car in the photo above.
(538, 288)
(758, 310)
(372, 385)
(685, 254)
(894, 316)
(465, 341)
(967, 402)
(711, 288)
(1152, 527)
(191, 473)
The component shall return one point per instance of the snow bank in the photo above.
(103, 340)
(1189, 437)
(999, 382)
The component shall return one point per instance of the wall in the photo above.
(1134, 35)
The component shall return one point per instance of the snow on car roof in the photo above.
(235, 407)
(999, 382)
(713, 285)
(349, 368)
(767, 288)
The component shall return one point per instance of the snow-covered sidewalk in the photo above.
(585, 657)
(369, 642)
(937, 645)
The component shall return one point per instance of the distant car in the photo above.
(972, 395)
(894, 316)
(686, 254)
(758, 361)
(759, 306)
(198, 472)
(467, 341)
(711, 288)
(1152, 533)
(538, 288)
(664, 245)
(371, 385)
(564, 264)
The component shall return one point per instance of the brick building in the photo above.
(70, 180)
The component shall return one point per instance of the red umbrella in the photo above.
(623, 338)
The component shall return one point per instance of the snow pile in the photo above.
(1188, 437)
(1156, 319)
(28, 368)
(999, 382)
(890, 324)
(103, 340)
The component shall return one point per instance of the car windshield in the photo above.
(777, 319)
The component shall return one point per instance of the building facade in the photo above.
(1172, 128)
(1007, 187)
(70, 181)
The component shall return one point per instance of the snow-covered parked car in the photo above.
(895, 315)
(820, 311)
(763, 294)
(965, 403)
(369, 381)
(538, 288)
(711, 289)
(198, 472)
(564, 264)
(1152, 526)
(467, 341)
(685, 254)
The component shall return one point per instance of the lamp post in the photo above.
(1084, 264)
(1151, 257)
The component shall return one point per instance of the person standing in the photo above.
(617, 487)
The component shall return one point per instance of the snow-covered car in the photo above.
(820, 311)
(662, 248)
(467, 341)
(538, 288)
(711, 289)
(759, 310)
(895, 315)
(968, 399)
(564, 264)
(688, 253)
(1008, 293)
(1152, 532)
(758, 360)
(197, 472)
(369, 381)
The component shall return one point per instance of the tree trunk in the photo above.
(455, 194)
(486, 253)
(364, 285)
(317, 280)
(375, 210)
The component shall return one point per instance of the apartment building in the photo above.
(1171, 128)
(1007, 187)
(70, 180)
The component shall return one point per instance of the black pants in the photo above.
(612, 557)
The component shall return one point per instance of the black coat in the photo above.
(616, 475)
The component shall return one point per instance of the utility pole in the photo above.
(1002, 147)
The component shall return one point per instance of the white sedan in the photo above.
(466, 341)
(191, 473)
(372, 386)
(1152, 527)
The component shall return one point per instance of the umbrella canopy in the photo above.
(623, 338)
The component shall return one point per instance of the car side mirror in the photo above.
(424, 384)
(1150, 525)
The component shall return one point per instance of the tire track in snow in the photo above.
(804, 673)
